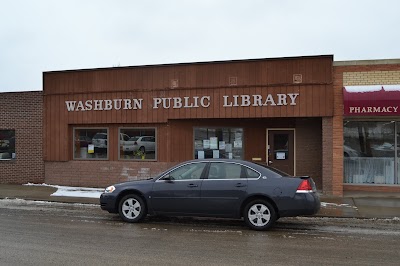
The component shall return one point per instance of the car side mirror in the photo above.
(168, 178)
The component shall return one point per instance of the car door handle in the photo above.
(192, 185)
(240, 185)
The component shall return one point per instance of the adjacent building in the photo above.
(21, 137)
(368, 93)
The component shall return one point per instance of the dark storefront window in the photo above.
(90, 143)
(7, 144)
(137, 144)
(218, 143)
(370, 152)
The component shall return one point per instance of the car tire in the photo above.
(142, 149)
(132, 208)
(259, 215)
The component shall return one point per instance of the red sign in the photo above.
(376, 100)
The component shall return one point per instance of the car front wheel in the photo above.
(132, 208)
(259, 215)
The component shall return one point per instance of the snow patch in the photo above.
(41, 202)
(64, 191)
(362, 89)
(391, 87)
(328, 204)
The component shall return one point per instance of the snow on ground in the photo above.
(81, 192)
(329, 204)
(77, 192)
(21, 202)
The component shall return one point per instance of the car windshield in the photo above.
(279, 172)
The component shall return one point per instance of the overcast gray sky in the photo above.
(47, 35)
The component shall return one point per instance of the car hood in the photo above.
(134, 183)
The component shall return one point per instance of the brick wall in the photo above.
(22, 112)
(351, 73)
(327, 155)
(100, 173)
(371, 78)
(308, 149)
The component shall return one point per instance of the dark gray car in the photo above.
(215, 188)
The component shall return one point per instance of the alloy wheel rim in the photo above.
(259, 215)
(131, 208)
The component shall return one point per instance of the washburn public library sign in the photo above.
(279, 99)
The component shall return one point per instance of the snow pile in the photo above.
(77, 192)
(81, 192)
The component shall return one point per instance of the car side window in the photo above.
(187, 172)
(225, 171)
(251, 173)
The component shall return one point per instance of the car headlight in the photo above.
(109, 189)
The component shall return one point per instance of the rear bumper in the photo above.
(303, 204)
(108, 202)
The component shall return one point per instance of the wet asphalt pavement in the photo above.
(43, 233)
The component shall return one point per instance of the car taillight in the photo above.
(304, 187)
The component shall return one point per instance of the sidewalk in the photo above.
(42, 193)
(361, 205)
(354, 204)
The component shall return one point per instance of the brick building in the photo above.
(367, 125)
(21, 137)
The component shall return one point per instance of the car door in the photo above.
(152, 143)
(223, 189)
(148, 143)
(178, 191)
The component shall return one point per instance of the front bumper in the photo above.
(108, 202)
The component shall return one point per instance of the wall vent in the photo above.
(297, 78)
(232, 81)
(174, 83)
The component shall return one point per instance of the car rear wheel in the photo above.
(142, 149)
(132, 208)
(259, 215)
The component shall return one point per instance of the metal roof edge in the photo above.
(197, 63)
(367, 62)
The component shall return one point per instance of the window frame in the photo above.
(396, 157)
(138, 128)
(14, 151)
(225, 164)
(236, 163)
(202, 176)
(214, 127)
(90, 159)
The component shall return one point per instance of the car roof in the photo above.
(256, 165)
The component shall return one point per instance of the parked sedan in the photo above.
(142, 143)
(215, 188)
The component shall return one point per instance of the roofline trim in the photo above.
(196, 63)
(367, 62)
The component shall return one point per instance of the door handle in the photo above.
(192, 185)
(240, 185)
